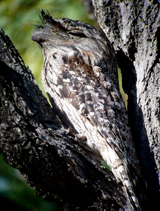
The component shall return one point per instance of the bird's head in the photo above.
(69, 39)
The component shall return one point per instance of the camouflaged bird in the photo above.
(79, 75)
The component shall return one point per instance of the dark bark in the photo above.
(32, 140)
(133, 28)
(60, 167)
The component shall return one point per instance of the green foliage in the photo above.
(105, 165)
(124, 96)
(15, 191)
(19, 17)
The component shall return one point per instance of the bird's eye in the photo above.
(77, 34)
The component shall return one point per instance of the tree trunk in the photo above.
(57, 164)
(134, 29)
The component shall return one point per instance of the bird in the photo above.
(79, 74)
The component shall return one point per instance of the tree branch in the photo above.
(55, 163)
(133, 28)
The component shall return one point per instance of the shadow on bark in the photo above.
(139, 134)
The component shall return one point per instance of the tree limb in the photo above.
(57, 164)
(133, 28)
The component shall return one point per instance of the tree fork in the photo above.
(33, 141)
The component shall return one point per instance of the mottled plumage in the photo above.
(80, 76)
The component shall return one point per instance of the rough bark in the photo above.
(134, 29)
(32, 140)
(60, 167)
